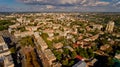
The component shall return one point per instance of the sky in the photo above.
(60, 5)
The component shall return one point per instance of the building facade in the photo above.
(5, 54)
(110, 27)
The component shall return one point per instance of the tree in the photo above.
(58, 55)
(90, 53)
(22, 29)
(26, 41)
(65, 62)
(66, 51)
(110, 62)
(4, 24)
(107, 19)
(85, 53)
(73, 54)
(70, 63)
(118, 51)
(94, 48)
(117, 20)
(12, 50)
(56, 34)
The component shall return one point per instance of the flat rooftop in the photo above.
(50, 56)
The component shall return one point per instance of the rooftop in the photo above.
(58, 45)
(50, 56)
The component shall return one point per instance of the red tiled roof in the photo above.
(75, 45)
(79, 57)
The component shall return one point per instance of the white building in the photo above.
(31, 28)
(40, 41)
(50, 56)
(110, 27)
(15, 25)
(47, 52)
(23, 34)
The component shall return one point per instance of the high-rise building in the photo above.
(5, 54)
(110, 27)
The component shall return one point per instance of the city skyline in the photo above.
(60, 5)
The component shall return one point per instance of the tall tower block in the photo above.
(110, 27)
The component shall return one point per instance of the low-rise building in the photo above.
(50, 38)
(104, 47)
(70, 48)
(15, 25)
(117, 56)
(31, 28)
(92, 62)
(97, 26)
(57, 64)
(58, 45)
(92, 38)
(50, 32)
(23, 34)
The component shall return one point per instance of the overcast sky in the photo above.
(60, 5)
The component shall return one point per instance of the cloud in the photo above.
(73, 5)
(65, 2)
(66, 5)
(50, 7)
(116, 4)
(102, 3)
